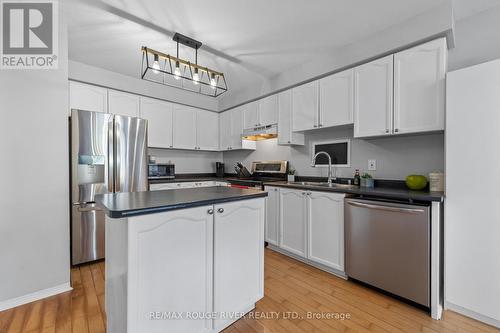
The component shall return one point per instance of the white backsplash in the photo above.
(188, 161)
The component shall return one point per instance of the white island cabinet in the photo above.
(187, 270)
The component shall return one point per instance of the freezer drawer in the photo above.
(388, 246)
(87, 233)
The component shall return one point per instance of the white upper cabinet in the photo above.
(225, 130)
(159, 116)
(207, 130)
(236, 127)
(419, 88)
(285, 134)
(261, 113)
(268, 110)
(305, 103)
(184, 127)
(87, 97)
(123, 104)
(336, 99)
(251, 115)
(326, 229)
(373, 91)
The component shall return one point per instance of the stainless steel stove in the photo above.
(261, 172)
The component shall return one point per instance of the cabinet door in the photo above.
(326, 229)
(285, 134)
(159, 116)
(305, 106)
(373, 98)
(184, 129)
(251, 115)
(336, 99)
(163, 279)
(123, 104)
(272, 215)
(293, 221)
(419, 88)
(207, 130)
(238, 257)
(225, 130)
(268, 110)
(87, 97)
(236, 127)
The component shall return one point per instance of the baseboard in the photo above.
(37, 295)
(472, 314)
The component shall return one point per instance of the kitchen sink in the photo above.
(323, 184)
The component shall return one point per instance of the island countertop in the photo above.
(126, 204)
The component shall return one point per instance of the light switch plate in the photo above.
(372, 165)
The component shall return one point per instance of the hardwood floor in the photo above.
(291, 289)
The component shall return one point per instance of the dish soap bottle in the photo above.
(357, 177)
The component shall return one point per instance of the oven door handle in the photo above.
(386, 208)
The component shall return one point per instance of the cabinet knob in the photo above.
(387, 131)
(396, 130)
(315, 126)
(289, 142)
(210, 211)
(220, 210)
(320, 125)
(303, 193)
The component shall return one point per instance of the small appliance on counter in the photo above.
(219, 169)
(161, 171)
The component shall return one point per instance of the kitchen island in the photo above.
(188, 260)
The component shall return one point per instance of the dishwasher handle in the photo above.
(386, 208)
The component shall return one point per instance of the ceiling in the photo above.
(250, 41)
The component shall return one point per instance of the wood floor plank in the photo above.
(290, 287)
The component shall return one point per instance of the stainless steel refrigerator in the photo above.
(108, 154)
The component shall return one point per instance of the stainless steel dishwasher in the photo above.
(388, 246)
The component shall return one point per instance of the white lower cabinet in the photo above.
(272, 215)
(325, 234)
(293, 218)
(238, 258)
(311, 225)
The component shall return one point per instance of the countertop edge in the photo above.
(117, 214)
(375, 192)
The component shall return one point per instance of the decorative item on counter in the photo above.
(367, 181)
(356, 177)
(416, 182)
(436, 181)
(291, 175)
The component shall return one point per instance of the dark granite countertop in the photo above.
(379, 192)
(127, 204)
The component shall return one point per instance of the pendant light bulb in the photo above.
(196, 76)
(156, 64)
(177, 71)
(213, 83)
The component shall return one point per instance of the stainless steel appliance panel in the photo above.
(87, 233)
(388, 246)
(89, 154)
(130, 154)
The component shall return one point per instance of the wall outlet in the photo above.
(372, 165)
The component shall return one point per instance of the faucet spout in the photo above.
(313, 162)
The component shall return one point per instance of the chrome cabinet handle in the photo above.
(220, 210)
(386, 208)
(210, 211)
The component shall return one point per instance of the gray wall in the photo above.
(396, 157)
(34, 173)
(188, 161)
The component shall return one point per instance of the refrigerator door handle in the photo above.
(92, 208)
(111, 152)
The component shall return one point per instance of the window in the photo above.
(339, 151)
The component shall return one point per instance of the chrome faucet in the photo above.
(330, 177)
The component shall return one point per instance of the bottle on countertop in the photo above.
(357, 177)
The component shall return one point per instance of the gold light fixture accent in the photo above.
(173, 71)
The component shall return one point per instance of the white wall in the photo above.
(102, 77)
(188, 161)
(396, 157)
(34, 173)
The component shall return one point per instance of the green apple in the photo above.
(416, 182)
